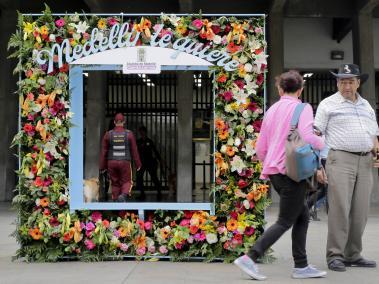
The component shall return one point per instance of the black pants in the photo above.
(293, 212)
(152, 170)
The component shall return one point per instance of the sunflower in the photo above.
(232, 225)
(102, 24)
(44, 30)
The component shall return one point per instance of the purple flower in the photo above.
(90, 226)
(228, 95)
(124, 247)
(199, 236)
(141, 251)
(116, 233)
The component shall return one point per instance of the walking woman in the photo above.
(293, 211)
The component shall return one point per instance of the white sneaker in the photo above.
(246, 264)
(307, 272)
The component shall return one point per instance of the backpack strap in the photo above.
(296, 115)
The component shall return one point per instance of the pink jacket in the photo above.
(274, 131)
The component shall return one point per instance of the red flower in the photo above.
(249, 231)
(240, 84)
(106, 223)
(28, 127)
(238, 238)
(228, 95)
(64, 68)
(54, 221)
(232, 48)
(194, 229)
(96, 216)
(216, 29)
(188, 214)
(242, 183)
(234, 215)
(257, 125)
(227, 28)
(252, 106)
(260, 79)
(38, 182)
(222, 78)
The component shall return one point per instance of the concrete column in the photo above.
(363, 52)
(184, 171)
(8, 107)
(275, 52)
(94, 121)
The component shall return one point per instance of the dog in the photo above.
(91, 190)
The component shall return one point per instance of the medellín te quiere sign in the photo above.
(120, 37)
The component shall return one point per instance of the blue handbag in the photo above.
(302, 161)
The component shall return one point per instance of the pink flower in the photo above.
(249, 231)
(258, 30)
(141, 251)
(148, 225)
(151, 249)
(89, 244)
(116, 233)
(95, 216)
(86, 36)
(124, 247)
(234, 215)
(257, 125)
(90, 226)
(228, 95)
(190, 240)
(221, 229)
(163, 249)
(199, 236)
(197, 24)
(112, 21)
(60, 22)
(185, 223)
(239, 83)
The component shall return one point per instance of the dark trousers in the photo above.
(293, 212)
(120, 174)
(152, 170)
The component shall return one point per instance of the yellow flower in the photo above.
(101, 24)
(234, 106)
(44, 30)
(28, 29)
(182, 29)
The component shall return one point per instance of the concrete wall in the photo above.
(308, 43)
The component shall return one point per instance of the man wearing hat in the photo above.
(348, 122)
(118, 149)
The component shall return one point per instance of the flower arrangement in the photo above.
(47, 231)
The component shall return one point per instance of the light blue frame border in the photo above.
(76, 147)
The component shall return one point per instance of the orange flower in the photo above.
(250, 196)
(123, 232)
(35, 233)
(44, 202)
(263, 188)
(257, 195)
(218, 159)
(232, 48)
(41, 130)
(194, 229)
(223, 134)
(221, 78)
(164, 233)
(232, 225)
(230, 151)
(140, 242)
(219, 123)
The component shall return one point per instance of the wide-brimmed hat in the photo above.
(119, 117)
(350, 71)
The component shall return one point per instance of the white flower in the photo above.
(223, 149)
(254, 45)
(34, 54)
(41, 81)
(174, 19)
(75, 18)
(237, 164)
(248, 67)
(249, 129)
(217, 39)
(52, 37)
(251, 87)
(249, 149)
(243, 59)
(81, 27)
(51, 147)
(237, 142)
(230, 141)
(164, 17)
(260, 60)
(241, 96)
(248, 78)
(246, 204)
(211, 238)
(246, 113)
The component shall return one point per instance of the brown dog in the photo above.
(91, 190)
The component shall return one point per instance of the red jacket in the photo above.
(105, 148)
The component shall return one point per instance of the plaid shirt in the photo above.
(347, 126)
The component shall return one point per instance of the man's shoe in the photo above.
(307, 272)
(361, 263)
(122, 197)
(337, 265)
(247, 265)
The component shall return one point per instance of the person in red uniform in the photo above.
(118, 149)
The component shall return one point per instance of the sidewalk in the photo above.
(165, 272)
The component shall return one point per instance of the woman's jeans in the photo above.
(293, 212)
